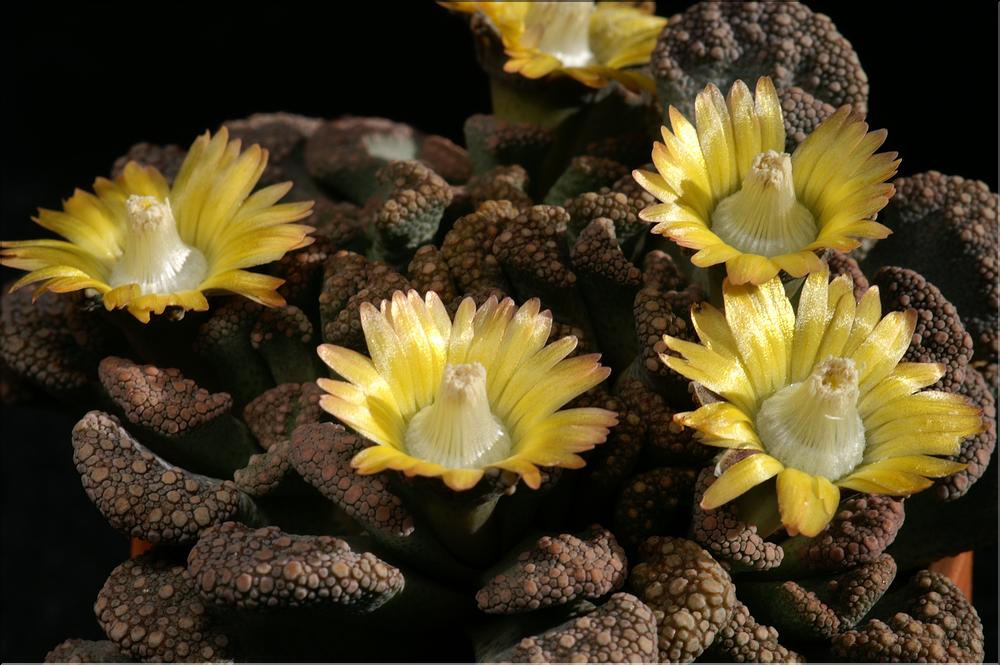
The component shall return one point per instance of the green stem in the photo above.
(463, 526)
(759, 507)
(514, 105)
(710, 280)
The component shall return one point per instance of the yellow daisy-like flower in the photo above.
(592, 43)
(821, 395)
(730, 191)
(145, 245)
(453, 398)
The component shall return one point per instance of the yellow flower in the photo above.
(147, 246)
(593, 43)
(730, 191)
(451, 399)
(821, 396)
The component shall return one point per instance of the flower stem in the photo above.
(515, 105)
(463, 526)
(759, 507)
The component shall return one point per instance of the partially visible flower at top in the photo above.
(730, 191)
(146, 245)
(819, 396)
(453, 398)
(593, 43)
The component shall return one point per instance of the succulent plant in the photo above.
(411, 449)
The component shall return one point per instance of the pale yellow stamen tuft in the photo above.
(155, 257)
(458, 430)
(814, 425)
(764, 217)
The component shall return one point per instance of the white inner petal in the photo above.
(562, 29)
(814, 425)
(458, 430)
(764, 217)
(155, 257)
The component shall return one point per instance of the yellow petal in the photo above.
(670, 172)
(100, 239)
(839, 287)
(715, 134)
(143, 180)
(93, 212)
(539, 65)
(343, 390)
(525, 335)
(724, 375)
(120, 296)
(905, 379)
(693, 180)
(653, 183)
(360, 418)
(374, 459)
(565, 381)
(926, 403)
(229, 191)
(71, 283)
(693, 235)
(922, 443)
(751, 268)
(876, 480)
(713, 330)
(746, 127)
(924, 423)
(740, 477)
(724, 421)
(623, 36)
(799, 264)
(534, 370)
(51, 272)
(529, 473)
(461, 331)
(924, 465)
(259, 288)
(810, 325)
(809, 154)
(838, 328)
(768, 109)
(876, 357)
(351, 365)
(567, 431)
(461, 479)
(714, 254)
(866, 317)
(414, 349)
(807, 503)
(42, 253)
(389, 358)
(762, 322)
(489, 326)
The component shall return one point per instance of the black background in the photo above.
(82, 84)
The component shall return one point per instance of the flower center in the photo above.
(561, 29)
(155, 257)
(457, 429)
(814, 425)
(764, 217)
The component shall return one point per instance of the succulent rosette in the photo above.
(472, 409)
